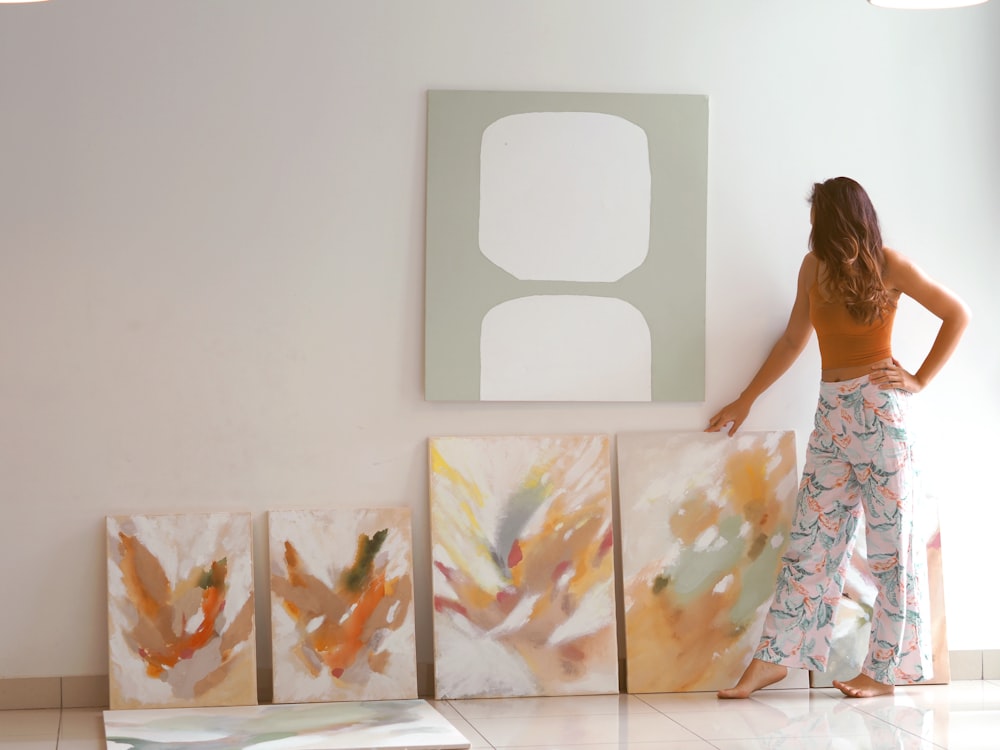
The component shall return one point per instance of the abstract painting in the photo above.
(565, 240)
(853, 616)
(523, 566)
(380, 725)
(342, 605)
(181, 611)
(704, 521)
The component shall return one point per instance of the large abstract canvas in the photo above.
(379, 725)
(342, 605)
(523, 566)
(704, 519)
(181, 611)
(565, 246)
(852, 618)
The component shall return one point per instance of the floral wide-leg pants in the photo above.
(859, 464)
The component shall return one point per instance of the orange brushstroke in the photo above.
(212, 601)
(347, 617)
(339, 643)
(144, 580)
(150, 592)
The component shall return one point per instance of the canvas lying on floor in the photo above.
(377, 725)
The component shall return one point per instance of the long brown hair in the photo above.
(846, 237)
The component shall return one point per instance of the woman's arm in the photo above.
(905, 276)
(784, 352)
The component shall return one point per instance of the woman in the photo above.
(859, 459)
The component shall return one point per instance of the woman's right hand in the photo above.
(733, 414)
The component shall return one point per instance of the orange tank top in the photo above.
(843, 341)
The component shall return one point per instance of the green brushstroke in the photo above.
(758, 583)
(660, 582)
(520, 507)
(207, 580)
(697, 572)
(354, 579)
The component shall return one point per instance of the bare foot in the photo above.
(758, 675)
(863, 686)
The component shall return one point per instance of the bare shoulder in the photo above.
(809, 267)
(899, 269)
(903, 275)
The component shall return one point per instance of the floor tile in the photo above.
(681, 745)
(81, 724)
(670, 702)
(826, 743)
(494, 708)
(750, 720)
(475, 739)
(973, 695)
(552, 731)
(797, 700)
(964, 715)
(967, 730)
(94, 743)
(961, 716)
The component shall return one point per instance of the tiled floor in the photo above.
(960, 716)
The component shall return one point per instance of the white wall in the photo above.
(211, 252)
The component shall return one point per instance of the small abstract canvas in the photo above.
(523, 576)
(853, 616)
(181, 611)
(342, 605)
(704, 519)
(379, 725)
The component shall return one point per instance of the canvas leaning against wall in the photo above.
(342, 605)
(523, 566)
(853, 616)
(565, 246)
(181, 611)
(704, 521)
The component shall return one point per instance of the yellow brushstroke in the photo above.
(441, 468)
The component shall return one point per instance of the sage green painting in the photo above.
(565, 246)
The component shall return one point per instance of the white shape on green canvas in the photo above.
(565, 347)
(564, 196)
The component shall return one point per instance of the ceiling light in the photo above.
(925, 4)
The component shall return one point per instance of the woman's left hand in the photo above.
(889, 376)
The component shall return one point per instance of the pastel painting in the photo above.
(523, 566)
(704, 519)
(375, 725)
(181, 611)
(342, 605)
